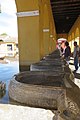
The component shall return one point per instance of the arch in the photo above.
(28, 36)
(28, 33)
(8, 32)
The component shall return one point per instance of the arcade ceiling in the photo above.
(65, 13)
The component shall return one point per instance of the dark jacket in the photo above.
(67, 52)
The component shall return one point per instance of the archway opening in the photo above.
(8, 28)
(61, 42)
(9, 63)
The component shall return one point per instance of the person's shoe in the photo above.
(76, 68)
(74, 71)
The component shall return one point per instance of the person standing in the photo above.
(75, 55)
(67, 52)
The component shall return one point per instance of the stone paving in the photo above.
(77, 74)
(13, 112)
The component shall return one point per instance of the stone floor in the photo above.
(13, 112)
(77, 74)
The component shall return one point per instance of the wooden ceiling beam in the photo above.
(68, 5)
(65, 13)
(64, 1)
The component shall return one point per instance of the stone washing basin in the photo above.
(59, 64)
(49, 64)
(51, 58)
(54, 61)
(44, 66)
(38, 89)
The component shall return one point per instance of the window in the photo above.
(9, 47)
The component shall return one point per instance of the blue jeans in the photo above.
(76, 63)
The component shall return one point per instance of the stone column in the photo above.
(28, 32)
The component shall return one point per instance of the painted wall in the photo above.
(47, 28)
(74, 34)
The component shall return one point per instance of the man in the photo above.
(75, 55)
(67, 52)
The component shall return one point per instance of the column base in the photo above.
(24, 68)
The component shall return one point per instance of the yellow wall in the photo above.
(74, 33)
(52, 36)
(34, 42)
(48, 37)
(75, 28)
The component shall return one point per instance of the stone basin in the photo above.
(2, 94)
(53, 56)
(41, 79)
(55, 63)
(38, 90)
(55, 60)
(50, 58)
(45, 67)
